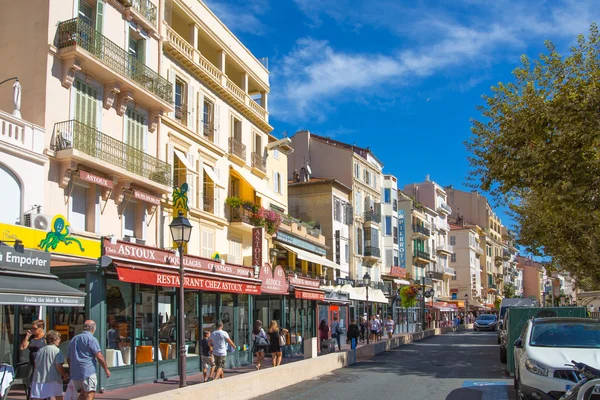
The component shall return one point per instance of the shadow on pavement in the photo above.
(465, 394)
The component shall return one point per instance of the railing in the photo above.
(421, 229)
(76, 32)
(372, 251)
(180, 112)
(442, 224)
(257, 108)
(208, 204)
(492, 285)
(449, 271)
(372, 216)
(16, 132)
(241, 214)
(422, 254)
(313, 232)
(146, 9)
(237, 148)
(259, 162)
(385, 287)
(209, 132)
(445, 247)
(447, 208)
(235, 90)
(76, 135)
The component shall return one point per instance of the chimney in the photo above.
(427, 178)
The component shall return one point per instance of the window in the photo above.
(86, 103)
(388, 225)
(371, 237)
(136, 50)
(389, 257)
(208, 243)
(208, 119)
(358, 203)
(277, 182)
(347, 252)
(452, 240)
(395, 233)
(84, 206)
(87, 14)
(276, 154)
(236, 127)
(357, 171)
(179, 96)
(10, 206)
(359, 240)
(395, 257)
(235, 250)
(453, 258)
(134, 218)
(337, 210)
(387, 195)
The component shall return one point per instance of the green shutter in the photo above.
(86, 106)
(99, 15)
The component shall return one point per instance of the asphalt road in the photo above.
(456, 366)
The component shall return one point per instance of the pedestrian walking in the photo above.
(34, 340)
(323, 335)
(206, 357)
(363, 329)
(260, 343)
(337, 332)
(219, 340)
(353, 334)
(84, 351)
(373, 328)
(379, 328)
(389, 326)
(49, 373)
(276, 342)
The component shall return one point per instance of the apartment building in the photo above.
(389, 226)
(418, 235)
(533, 278)
(466, 261)
(474, 209)
(326, 202)
(358, 169)
(433, 196)
(512, 274)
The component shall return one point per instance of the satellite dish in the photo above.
(308, 169)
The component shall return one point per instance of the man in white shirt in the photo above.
(219, 340)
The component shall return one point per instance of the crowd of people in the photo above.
(374, 328)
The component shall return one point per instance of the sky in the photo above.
(402, 77)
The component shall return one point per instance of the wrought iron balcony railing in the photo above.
(237, 148)
(372, 216)
(77, 32)
(421, 229)
(241, 214)
(422, 254)
(145, 8)
(259, 162)
(372, 251)
(209, 132)
(76, 135)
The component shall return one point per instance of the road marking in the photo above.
(491, 390)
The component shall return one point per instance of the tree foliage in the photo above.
(509, 291)
(536, 148)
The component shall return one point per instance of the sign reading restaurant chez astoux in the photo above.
(144, 254)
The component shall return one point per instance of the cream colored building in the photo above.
(465, 260)
(138, 97)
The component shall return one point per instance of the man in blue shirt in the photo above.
(84, 350)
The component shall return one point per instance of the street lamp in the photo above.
(367, 282)
(273, 253)
(181, 230)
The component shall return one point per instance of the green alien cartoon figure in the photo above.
(58, 234)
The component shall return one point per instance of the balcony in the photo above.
(179, 48)
(21, 135)
(422, 255)
(438, 276)
(506, 255)
(238, 150)
(259, 164)
(420, 231)
(444, 208)
(241, 218)
(442, 224)
(144, 8)
(372, 216)
(75, 141)
(79, 43)
(449, 271)
(445, 248)
(372, 251)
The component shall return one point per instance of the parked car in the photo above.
(543, 354)
(504, 306)
(485, 322)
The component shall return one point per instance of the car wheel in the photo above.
(503, 355)
(474, 329)
(499, 341)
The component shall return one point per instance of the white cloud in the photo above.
(241, 16)
(315, 76)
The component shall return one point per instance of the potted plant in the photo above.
(233, 201)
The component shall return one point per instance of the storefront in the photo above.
(271, 304)
(29, 292)
(336, 304)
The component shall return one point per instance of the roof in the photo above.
(316, 181)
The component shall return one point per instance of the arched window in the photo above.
(10, 202)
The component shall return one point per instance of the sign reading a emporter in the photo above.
(28, 261)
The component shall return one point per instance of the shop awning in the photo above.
(257, 183)
(190, 168)
(401, 282)
(360, 293)
(310, 257)
(211, 174)
(38, 290)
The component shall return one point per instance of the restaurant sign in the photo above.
(273, 280)
(27, 261)
(305, 295)
(306, 282)
(41, 300)
(190, 282)
(398, 272)
(257, 239)
(145, 254)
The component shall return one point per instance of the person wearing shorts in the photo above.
(219, 340)
(208, 364)
(374, 328)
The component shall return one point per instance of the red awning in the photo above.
(155, 277)
(310, 294)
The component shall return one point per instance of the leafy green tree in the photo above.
(509, 291)
(536, 148)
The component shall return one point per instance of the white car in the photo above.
(543, 349)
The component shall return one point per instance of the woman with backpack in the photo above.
(260, 343)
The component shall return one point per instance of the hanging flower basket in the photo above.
(408, 295)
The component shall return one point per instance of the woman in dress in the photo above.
(49, 374)
(323, 333)
(259, 339)
(274, 346)
(34, 340)
(389, 326)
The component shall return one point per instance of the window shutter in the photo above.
(191, 181)
(191, 109)
(217, 192)
(171, 79)
(99, 15)
(170, 155)
(200, 120)
(141, 51)
(275, 181)
(217, 124)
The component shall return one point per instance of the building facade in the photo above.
(466, 285)
(389, 228)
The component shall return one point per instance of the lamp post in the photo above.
(547, 288)
(467, 309)
(367, 282)
(273, 253)
(181, 230)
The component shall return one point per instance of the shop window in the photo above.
(193, 335)
(167, 324)
(243, 325)
(7, 333)
(209, 311)
(227, 316)
(119, 320)
(145, 324)
(10, 206)
(208, 243)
